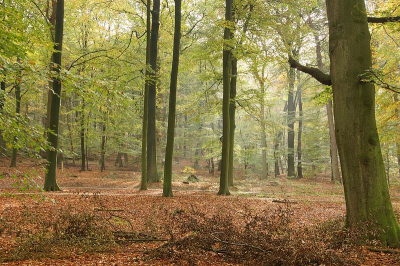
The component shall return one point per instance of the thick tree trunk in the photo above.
(50, 183)
(167, 186)
(143, 183)
(364, 178)
(151, 126)
(227, 69)
(290, 123)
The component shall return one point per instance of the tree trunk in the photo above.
(232, 122)
(299, 162)
(396, 100)
(263, 131)
(151, 126)
(17, 117)
(82, 135)
(334, 150)
(50, 183)
(227, 69)
(167, 186)
(364, 178)
(143, 183)
(290, 122)
(103, 148)
(332, 136)
(2, 99)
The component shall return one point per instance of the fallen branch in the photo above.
(107, 210)
(141, 240)
(283, 201)
(384, 250)
(240, 244)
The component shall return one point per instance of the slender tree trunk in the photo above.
(396, 100)
(82, 135)
(227, 69)
(299, 154)
(167, 187)
(184, 136)
(143, 183)
(290, 122)
(332, 135)
(151, 126)
(50, 183)
(17, 117)
(103, 147)
(263, 130)
(2, 99)
(232, 122)
(364, 178)
(71, 142)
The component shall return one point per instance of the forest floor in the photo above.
(100, 218)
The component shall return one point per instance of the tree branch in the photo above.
(383, 19)
(314, 72)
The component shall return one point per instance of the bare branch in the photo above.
(383, 19)
(314, 72)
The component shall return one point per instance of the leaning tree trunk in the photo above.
(167, 186)
(227, 68)
(151, 126)
(364, 178)
(50, 183)
(143, 183)
(290, 122)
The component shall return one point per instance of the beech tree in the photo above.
(151, 122)
(364, 178)
(50, 183)
(227, 70)
(167, 187)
